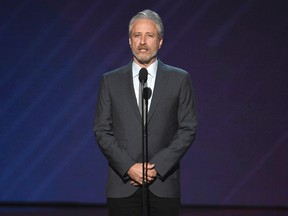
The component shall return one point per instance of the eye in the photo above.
(150, 35)
(136, 35)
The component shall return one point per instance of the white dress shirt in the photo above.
(152, 71)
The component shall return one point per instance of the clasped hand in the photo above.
(136, 174)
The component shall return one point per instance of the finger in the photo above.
(134, 183)
(152, 173)
(150, 166)
(151, 178)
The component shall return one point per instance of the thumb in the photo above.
(150, 166)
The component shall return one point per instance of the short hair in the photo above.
(151, 15)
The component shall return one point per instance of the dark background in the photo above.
(53, 53)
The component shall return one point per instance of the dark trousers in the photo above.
(132, 206)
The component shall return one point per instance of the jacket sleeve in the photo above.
(117, 156)
(168, 158)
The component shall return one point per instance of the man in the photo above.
(171, 125)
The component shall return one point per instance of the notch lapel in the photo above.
(160, 85)
(128, 85)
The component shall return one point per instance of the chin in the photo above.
(145, 60)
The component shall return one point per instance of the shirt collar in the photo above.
(152, 69)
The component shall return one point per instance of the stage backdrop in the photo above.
(53, 53)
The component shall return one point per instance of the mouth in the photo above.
(143, 49)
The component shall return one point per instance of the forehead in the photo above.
(144, 25)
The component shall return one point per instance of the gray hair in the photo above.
(151, 15)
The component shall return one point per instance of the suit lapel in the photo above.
(160, 84)
(128, 85)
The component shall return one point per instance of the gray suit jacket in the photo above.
(171, 128)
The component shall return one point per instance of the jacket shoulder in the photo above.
(118, 71)
(173, 70)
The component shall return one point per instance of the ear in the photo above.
(129, 42)
(160, 43)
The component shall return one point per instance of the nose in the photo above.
(143, 40)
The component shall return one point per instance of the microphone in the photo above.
(147, 92)
(143, 73)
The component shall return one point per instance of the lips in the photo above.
(143, 49)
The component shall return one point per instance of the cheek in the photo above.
(156, 46)
(133, 43)
(132, 46)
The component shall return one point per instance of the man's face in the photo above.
(144, 41)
